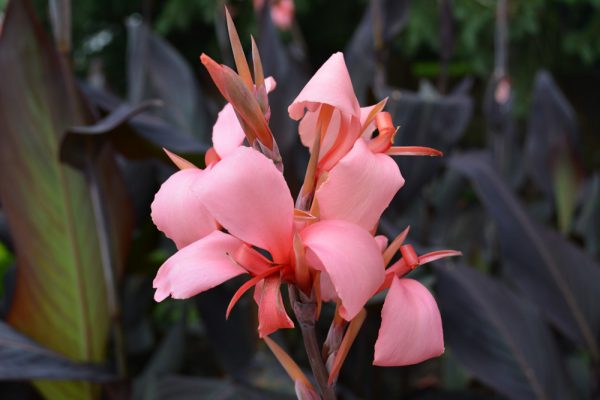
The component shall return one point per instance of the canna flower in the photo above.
(248, 196)
(328, 106)
(356, 177)
(174, 202)
(237, 217)
(411, 325)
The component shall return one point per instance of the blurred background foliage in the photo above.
(522, 321)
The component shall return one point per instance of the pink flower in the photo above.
(327, 104)
(174, 201)
(282, 12)
(248, 196)
(411, 325)
(356, 178)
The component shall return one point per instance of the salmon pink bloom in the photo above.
(248, 196)
(238, 217)
(174, 200)
(411, 325)
(361, 185)
(356, 177)
(328, 105)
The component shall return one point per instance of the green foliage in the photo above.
(6, 259)
(181, 14)
(540, 31)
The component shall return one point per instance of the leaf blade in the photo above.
(60, 298)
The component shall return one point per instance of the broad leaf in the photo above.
(23, 359)
(552, 129)
(156, 70)
(501, 339)
(167, 359)
(428, 119)
(588, 221)
(553, 147)
(549, 270)
(60, 299)
(132, 132)
(233, 340)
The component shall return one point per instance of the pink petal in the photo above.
(351, 258)
(359, 187)
(178, 212)
(344, 141)
(200, 266)
(270, 84)
(308, 129)
(227, 133)
(271, 312)
(331, 85)
(326, 286)
(248, 195)
(382, 242)
(411, 326)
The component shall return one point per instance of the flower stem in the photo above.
(305, 311)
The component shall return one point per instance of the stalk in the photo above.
(305, 311)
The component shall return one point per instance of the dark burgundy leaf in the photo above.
(500, 338)
(426, 119)
(142, 136)
(552, 129)
(233, 340)
(156, 70)
(548, 269)
(23, 359)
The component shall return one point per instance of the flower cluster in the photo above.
(237, 216)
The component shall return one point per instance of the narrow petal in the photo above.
(352, 259)
(179, 161)
(293, 370)
(411, 326)
(233, 88)
(178, 213)
(347, 341)
(271, 312)
(346, 138)
(248, 195)
(360, 187)
(200, 266)
(367, 118)
(331, 85)
(413, 151)
(227, 133)
(437, 255)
